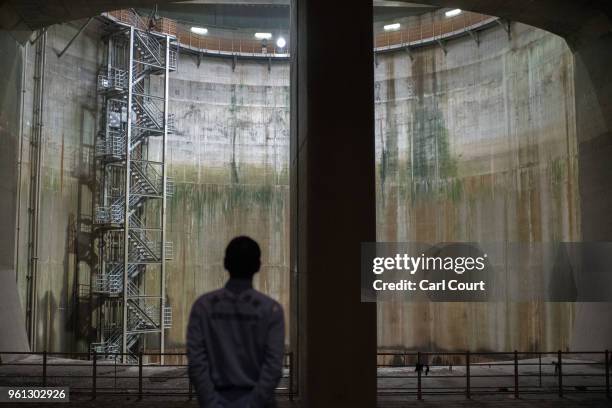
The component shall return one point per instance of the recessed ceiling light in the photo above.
(453, 13)
(199, 30)
(263, 36)
(280, 42)
(392, 27)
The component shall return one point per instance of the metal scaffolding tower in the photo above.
(130, 216)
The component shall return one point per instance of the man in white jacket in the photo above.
(236, 337)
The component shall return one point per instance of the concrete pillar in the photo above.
(333, 201)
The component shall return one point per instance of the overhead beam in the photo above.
(377, 3)
(402, 4)
(83, 27)
(239, 2)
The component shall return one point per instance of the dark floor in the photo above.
(551, 402)
(446, 403)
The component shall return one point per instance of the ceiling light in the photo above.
(392, 27)
(280, 42)
(199, 30)
(263, 36)
(453, 13)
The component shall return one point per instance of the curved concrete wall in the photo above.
(12, 327)
(70, 122)
(478, 144)
(475, 144)
(229, 159)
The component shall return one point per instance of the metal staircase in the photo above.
(130, 214)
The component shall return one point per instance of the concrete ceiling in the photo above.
(27, 15)
(377, 3)
(576, 20)
(265, 14)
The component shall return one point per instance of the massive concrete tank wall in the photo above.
(12, 328)
(70, 122)
(478, 143)
(475, 144)
(229, 159)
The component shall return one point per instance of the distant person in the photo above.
(236, 337)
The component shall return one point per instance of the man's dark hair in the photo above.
(242, 257)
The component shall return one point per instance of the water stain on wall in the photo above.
(230, 165)
(484, 149)
(476, 144)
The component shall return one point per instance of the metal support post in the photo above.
(540, 370)
(291, 372)
(164, 203)
(59, 55)
(140, 375)
(468, 391)
(126, 215)
(516, 375)
(419, 373)
(607, 364)
(94, 375)
(560, 372)
(44, 369)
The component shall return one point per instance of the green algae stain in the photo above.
(558, 170)
(431, 156)
(429, 170)
(210, 200)
(433, 168)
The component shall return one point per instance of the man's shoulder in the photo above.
(263, 297)
(209, 297)
(268, 303)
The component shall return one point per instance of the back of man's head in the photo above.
(242, 257)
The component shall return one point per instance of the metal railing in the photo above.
(230, 42)
(229, 45)
(512, 373)
(151, 50)
(170, 186)
(430, 31)
(111, 214)
(112, 79)
(111, 145)
(99, 374)
(167, 317)
(417, 374)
